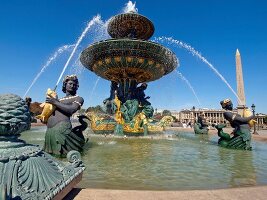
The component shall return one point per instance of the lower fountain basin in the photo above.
(118, 59)
(172, 161)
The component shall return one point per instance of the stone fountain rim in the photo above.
(90, 55)
(130, 13)
(131, 40)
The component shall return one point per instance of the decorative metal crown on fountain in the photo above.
(129, 56)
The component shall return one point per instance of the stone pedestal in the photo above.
(240, 110)
(27, 172)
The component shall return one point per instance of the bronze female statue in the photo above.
(241, 138)
(60, 138)
(201, 127)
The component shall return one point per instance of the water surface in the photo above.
(175, 161)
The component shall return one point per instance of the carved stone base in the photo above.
(27, 172)
(68, 188)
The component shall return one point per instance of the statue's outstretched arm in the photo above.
(243, 119)
(234, 117)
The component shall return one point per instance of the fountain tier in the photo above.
(138, 60)
(130, 25)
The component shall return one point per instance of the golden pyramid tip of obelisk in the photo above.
(237, 52)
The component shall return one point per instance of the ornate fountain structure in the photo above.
(127, 60)
(27, 172)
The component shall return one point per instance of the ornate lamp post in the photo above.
(193, 109)
(253, 111)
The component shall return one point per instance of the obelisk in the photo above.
(240, 84)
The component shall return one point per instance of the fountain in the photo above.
(127, 60)
(191, 50)
(173, 161)
(49, 61)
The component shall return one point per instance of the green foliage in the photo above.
(265, 119)
(82, 111)
(96, 109)
(166, 113)
(157, 116)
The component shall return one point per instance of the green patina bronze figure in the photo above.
(60, 137)
(241, 138)
(201, 127)
(136, 110)
(109, 102)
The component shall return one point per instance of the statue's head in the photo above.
(144, 85)
(114, 84)
(227, 104)
(28, 101)
(70, 79)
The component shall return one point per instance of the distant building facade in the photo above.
(212, 116)
(260, 120)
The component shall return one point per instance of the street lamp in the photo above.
(193, 109)
(253, 111)
(253, 108)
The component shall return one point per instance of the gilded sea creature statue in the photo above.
(241, 138)
(27, 172)
(60, 137)
(132, 116)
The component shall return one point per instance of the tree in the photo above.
(157, 116)
(166, 113)
(35, 108)
(82, 111)
(96, 109)
(174, 119)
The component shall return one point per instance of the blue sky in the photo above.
(31, 31)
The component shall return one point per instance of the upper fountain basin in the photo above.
(118, 59)
(130, 25)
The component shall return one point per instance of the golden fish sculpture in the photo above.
(48, 108)
(248, 113)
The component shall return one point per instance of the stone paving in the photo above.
(248, 193)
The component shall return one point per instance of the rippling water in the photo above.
(181, 161)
